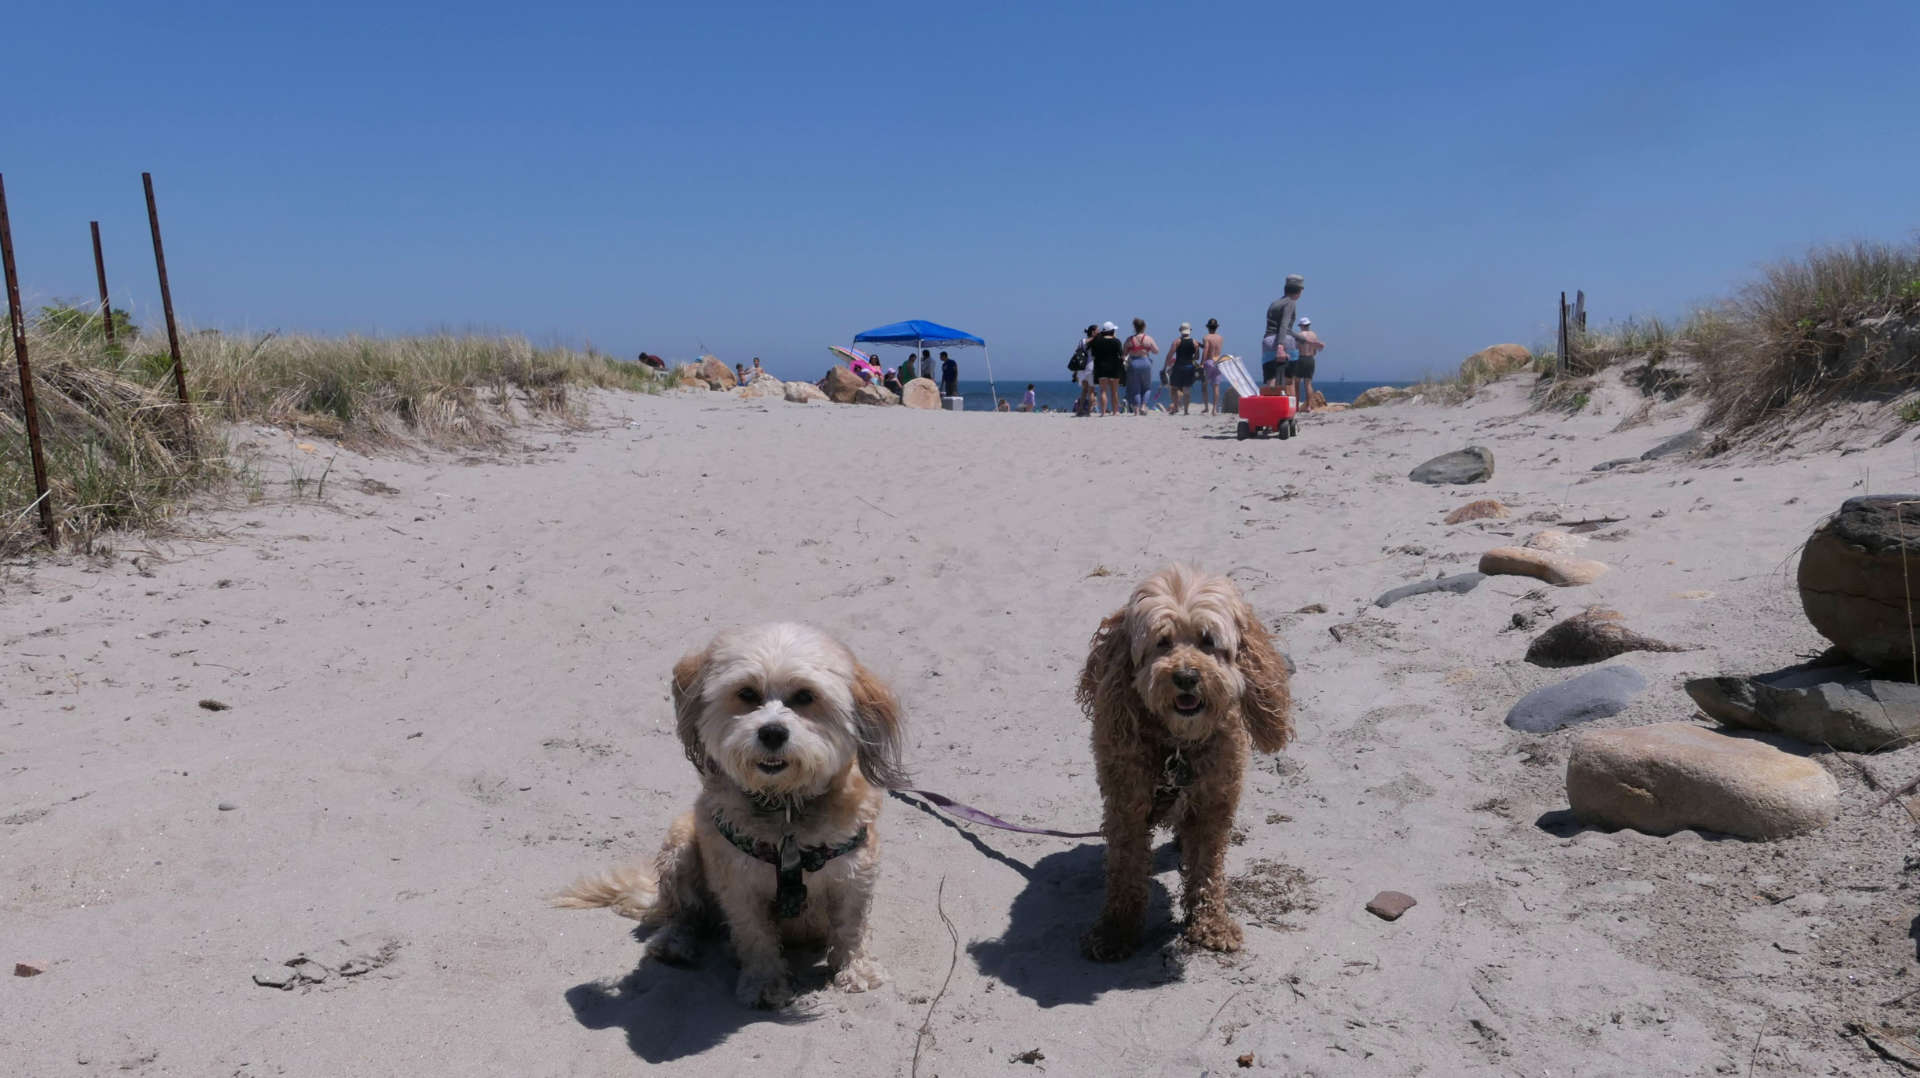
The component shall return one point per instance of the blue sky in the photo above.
(770, 178)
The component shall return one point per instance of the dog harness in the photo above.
(1176, 774)
(789, 862)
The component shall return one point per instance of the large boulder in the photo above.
(1591, 636)
(1317, 400)
(1596, 694)
(717, 374)
(1842, 705)
(803, 392)
(841, 384)
(921, 393)
(1560, 570)
(1474, 464)
(1459, 584)
(874, 395)
(1672, 776)
(1483, 509)
(1379, 395)
(766, 386)
(1860, 577)
(1490, 363)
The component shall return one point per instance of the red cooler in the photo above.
(1267, 414)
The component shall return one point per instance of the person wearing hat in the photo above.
(1109, 366)
(1212, 347)
(1278, 342)
(1182, 367)
(1300, 371)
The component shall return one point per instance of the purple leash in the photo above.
(974, 815)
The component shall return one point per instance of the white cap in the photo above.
(1186, 329)
(1109, 327)
(1306, 321)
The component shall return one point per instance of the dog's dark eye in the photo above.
(1165, 643)
(1206, 641)
(749, 696)
(801, 698)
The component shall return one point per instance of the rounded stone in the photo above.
(1673, 776)
(1858, 581)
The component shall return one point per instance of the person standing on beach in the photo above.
(1211, 348)
(1140, 350)
(949, 376)
(1027, 402)
(1078, 364)
(927, 369)
(1309, 345)
(1182, 369)
(1279, 338)
(1109, 366)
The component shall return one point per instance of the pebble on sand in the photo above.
(28, 969)
(1389, 905)
(1483, 509)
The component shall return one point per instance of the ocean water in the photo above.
(1061, 395)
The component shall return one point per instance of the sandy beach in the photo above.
(402, 713)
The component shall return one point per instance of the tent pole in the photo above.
(991, 388)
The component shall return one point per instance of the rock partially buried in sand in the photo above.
(841, 384)
(1389, 905)
(1379, 395)
(1474, 464)
(1843, 705)
(803, 392)
(1483, 509)
(1557, 569)
(1590, 636)
(1459, 584)
(1555, 542)
(1674, 776)
(874, 395)
(921, 393)
(1596, 694)
(1679, 443)
(763, 387)
(1855, 576)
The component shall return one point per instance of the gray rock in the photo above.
(1595, 694)
(1844, 706)
(1679, 443)
(1389, 905)
(226, 806)
(1591, 636)
(1459, 584)
(1610, 465)
(1474, 464)
(1855, 573)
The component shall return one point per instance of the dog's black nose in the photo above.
(773, 735)
(1186, 680)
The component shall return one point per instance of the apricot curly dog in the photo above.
(1178, 683)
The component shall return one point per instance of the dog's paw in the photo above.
(674, 945)
(1215, 932)
(766, 993)
(860, 975)
(1109, 943)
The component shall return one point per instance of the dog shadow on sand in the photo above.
(1039, 955)
(671, 1012)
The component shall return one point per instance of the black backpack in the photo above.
(1079, 361)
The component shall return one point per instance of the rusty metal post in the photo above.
(42, 495)
(166, 305)
(100, 272)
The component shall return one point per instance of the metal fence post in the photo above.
(42, 495)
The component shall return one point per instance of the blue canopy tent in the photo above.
(918, 333)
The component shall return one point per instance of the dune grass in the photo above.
(122, 452)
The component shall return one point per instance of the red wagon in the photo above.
(1263, 414)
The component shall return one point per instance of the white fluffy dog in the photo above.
(795, 743)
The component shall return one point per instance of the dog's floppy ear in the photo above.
(689, 677)
(1106, 682)
(1266, 703)
(876, 721)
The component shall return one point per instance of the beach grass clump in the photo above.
(1841, 323)
(122, 452)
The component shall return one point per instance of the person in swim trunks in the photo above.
(1182, 368)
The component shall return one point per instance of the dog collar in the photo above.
(1176, 774)
(789, 860)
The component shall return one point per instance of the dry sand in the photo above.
(446, 696)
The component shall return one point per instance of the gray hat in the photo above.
(1294, 279)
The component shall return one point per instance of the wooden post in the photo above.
(166, 305)
(1580, 311)
(42, 495)
(100, 272)
(1560, 360)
